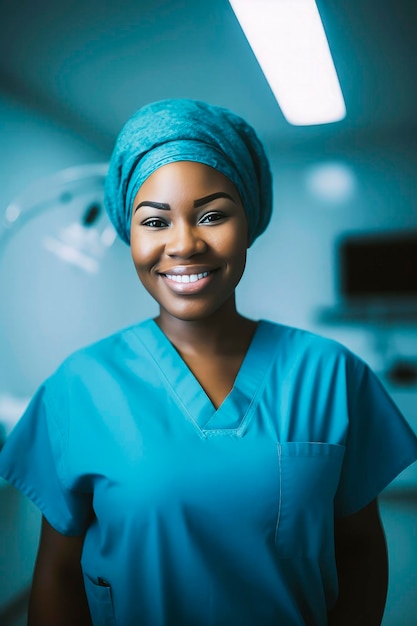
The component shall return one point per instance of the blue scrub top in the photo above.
(200, 516)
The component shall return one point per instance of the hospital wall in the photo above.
(32, 147)
(320, 192)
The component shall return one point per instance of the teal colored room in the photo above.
(71, 73)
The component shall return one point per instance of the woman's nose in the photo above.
(184, 241)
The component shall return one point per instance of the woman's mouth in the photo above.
(186, 278)
(191, 283)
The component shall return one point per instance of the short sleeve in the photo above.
(32, 460)
(380, 443)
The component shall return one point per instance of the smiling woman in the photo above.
(188, 237)
(202, 467)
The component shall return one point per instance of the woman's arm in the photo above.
(58, 595)
(362, 567)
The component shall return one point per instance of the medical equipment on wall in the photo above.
(65, 281)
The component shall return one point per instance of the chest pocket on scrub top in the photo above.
(309, 476)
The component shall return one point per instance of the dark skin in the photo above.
(190, 234)
(362, 567)
(58, 594)
(214, 357)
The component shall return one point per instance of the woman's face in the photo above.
(189, 237)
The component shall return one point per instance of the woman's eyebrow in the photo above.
(197, 203)
(212, 196)
(154, 205)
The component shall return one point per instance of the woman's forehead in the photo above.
(188, 177)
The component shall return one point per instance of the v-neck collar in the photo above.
(234, 411)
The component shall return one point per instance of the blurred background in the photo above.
(339, 257)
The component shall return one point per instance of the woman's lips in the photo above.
(189, 283)
(187, 278)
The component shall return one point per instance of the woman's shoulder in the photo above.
(300, 340)
(105, 353)
(302, 350)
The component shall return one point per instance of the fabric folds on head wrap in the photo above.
(188, 130)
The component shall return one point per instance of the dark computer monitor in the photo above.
(378, 267)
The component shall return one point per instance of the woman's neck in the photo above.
(224, 332)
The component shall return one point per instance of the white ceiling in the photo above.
(91, 63)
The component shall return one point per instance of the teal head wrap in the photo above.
(188, 130)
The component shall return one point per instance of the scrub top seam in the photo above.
(60, 461)
(239, 430)
(174, 394)
(255, 399)
(279, 451)
(236, 431)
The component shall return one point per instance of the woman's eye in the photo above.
(154, 222)
(210, 218)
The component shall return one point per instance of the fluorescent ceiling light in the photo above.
(288, 39)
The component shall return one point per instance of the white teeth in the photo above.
(186, 278)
